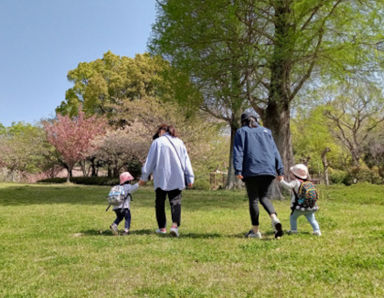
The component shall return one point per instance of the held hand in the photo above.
(141, 182)
(189, 185)
(279, 178)
(240, 177)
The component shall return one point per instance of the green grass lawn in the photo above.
(55, 242)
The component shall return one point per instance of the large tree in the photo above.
(356, 111)
(261, 53)
(103, 85)
(23, 149)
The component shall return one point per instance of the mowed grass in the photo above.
(55, 242)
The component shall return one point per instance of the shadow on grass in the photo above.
(109, 233)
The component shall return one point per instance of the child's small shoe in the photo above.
(114, 229)
(125, 233)
(252, 234)
(291, 232)
(317, 233)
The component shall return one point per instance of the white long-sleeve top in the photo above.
(163, 162)
(292, 185)
(128, 188)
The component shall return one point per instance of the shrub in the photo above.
(337, 176)
(362, 174)
(84, 180)
(201, 184)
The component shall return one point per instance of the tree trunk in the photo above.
(277, 113)
(69, 171)
(93, 167)
(69, 175)
(325, 165)
(83, 167)
(110, 173)
(232, 181)
(278, 121)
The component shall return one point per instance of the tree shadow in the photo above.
(17, 195)
(74, 194)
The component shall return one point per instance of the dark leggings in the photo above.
(259, 189)
(121, 214)
(175, 202)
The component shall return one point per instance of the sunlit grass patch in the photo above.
(55, 241)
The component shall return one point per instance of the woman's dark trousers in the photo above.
(174, 197)
(259, 189)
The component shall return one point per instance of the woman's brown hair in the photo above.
(167, 128)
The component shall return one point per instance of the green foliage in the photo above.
(311, 136)
(101, 84)
(337, 176)
(24, 148)
(63, 247)
(362, 174)
(2, 129)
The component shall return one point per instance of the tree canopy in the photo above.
(263, 53)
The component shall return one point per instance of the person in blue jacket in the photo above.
(257, 162)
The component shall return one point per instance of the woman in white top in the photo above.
(169, 163)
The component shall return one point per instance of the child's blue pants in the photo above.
(310, 216)
(121, 214)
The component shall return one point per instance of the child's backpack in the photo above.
(116, 196)
(306, 197)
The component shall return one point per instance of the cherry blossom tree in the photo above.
(72, 137)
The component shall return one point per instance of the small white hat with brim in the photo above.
(300, 171)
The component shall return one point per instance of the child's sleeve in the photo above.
(133, 188)
(288, 185)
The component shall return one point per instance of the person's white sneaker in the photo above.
(316, 233)
(174, 232)
(114, 229)
(160, 231)
(252, 234)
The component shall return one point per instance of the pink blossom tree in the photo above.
(72, 137)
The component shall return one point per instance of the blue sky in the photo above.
(41, 40)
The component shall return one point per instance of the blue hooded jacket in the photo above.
(255, 153)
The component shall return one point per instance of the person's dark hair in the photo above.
(250, 121)
(167, 128)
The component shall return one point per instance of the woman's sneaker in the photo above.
(276, 225)
(316, 233)
(174, 232)
(252, 234)
(114, 229)
(161, 231)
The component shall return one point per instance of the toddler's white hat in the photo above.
(300, 171)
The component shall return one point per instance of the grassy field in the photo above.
(55, 242)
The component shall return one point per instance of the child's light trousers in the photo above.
(309, 215)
